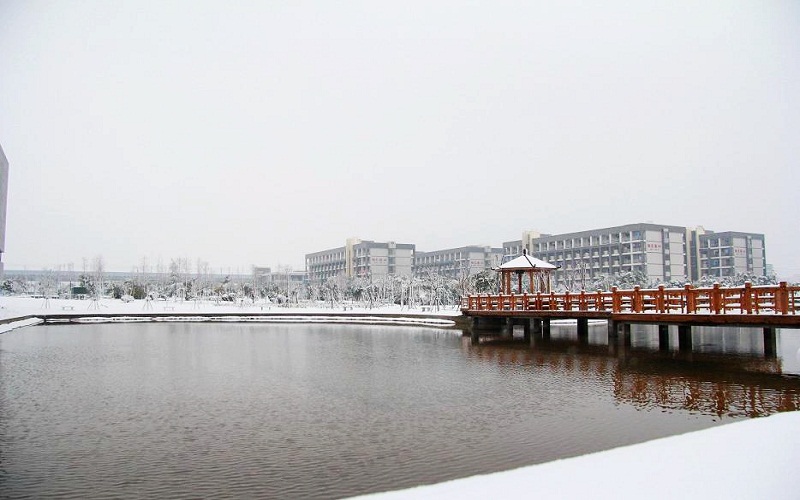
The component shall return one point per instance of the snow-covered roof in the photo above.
(525, 263)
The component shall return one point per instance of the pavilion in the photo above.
(537, 272)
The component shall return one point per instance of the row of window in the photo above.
(594, 240)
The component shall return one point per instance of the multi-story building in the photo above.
(726, 254)
(657, 251)
(3, 202)
(458, 262)
(361, 259)
(514, 248)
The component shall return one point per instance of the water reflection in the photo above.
(726, 374)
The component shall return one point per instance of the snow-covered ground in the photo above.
(749, 459)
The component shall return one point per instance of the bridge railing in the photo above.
(747, 299)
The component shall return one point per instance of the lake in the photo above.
(182, 410)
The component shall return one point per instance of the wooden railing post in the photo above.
(616, 300)
(746, 298)
(782, 298)
(637, 299)
(715, 299)
(691, 301)
(660, 307)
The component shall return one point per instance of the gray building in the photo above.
(3, 203)
(726, 254)
(658, 251)
(662, 253)
(357, 258)
(458, 262)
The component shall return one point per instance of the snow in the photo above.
(747, 459)
(527, 262)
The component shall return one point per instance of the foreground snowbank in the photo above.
(749, 459)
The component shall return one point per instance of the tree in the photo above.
(486, 281)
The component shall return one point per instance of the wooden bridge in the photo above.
(770, 307)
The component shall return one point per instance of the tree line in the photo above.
(428, 289)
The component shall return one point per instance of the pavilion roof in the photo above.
(526, 263)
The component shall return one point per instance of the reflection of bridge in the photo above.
(763, 306)
(710, 384)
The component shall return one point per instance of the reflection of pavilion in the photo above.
(710, 384)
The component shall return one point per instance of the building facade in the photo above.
(661, 253)
(657, 251)
(357, 258)
(3, 204)
(458, 262)
(726, 254)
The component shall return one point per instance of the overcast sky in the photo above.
(246, 133)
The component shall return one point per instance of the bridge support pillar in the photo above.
(684, 338)
(546, 328)
(770, 342)
(583, 330)
(536, 331)
(526, 330)
(613, 330)
(663, 337)
(626, 334)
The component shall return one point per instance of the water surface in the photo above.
(319, 411)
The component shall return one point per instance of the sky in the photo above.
(252, 133)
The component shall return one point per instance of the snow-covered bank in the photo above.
(94, 311)
(13, 325)
(749, 459)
